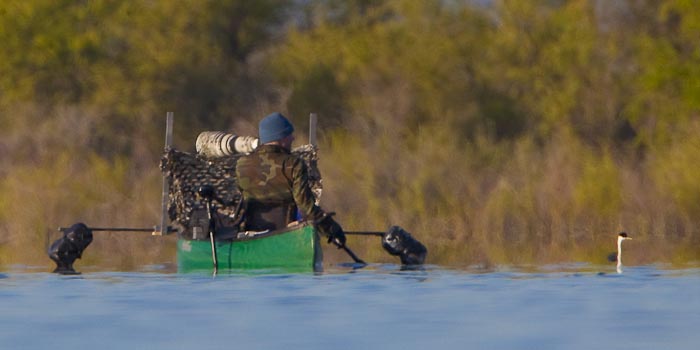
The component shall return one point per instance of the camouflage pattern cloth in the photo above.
(275, 183)
(187, 172)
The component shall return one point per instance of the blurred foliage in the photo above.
(676, 172)
(497, 132)
(134, 60)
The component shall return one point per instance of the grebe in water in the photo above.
(613, 257)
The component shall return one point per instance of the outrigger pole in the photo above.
(365, 233)
(76, 238)
(313, 121)
(397, 241)
(154, 230)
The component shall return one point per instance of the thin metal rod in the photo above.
(115, 229)
(365, 233)
(163, 229)
(313, 120)
(214, 260)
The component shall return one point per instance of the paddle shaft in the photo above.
(350, 252)
(353, 256)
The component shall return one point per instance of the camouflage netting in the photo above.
(186, 172)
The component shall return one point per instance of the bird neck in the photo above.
(619, 250)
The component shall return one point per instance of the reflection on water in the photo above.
(378, 307)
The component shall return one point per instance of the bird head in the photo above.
(623, 236)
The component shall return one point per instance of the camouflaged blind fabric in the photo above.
(186, 172)
(272, 175)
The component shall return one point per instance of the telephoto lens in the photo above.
(216, 144)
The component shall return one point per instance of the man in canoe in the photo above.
(275, 183)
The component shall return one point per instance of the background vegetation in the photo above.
(495, 131)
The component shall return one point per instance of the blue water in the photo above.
(379, 307)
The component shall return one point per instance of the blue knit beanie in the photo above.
(274, 127)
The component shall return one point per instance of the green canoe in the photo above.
(294, 249)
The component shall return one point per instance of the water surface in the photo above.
(378, 307)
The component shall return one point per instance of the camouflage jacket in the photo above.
(272, 177)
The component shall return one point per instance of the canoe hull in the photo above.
(290, 250)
